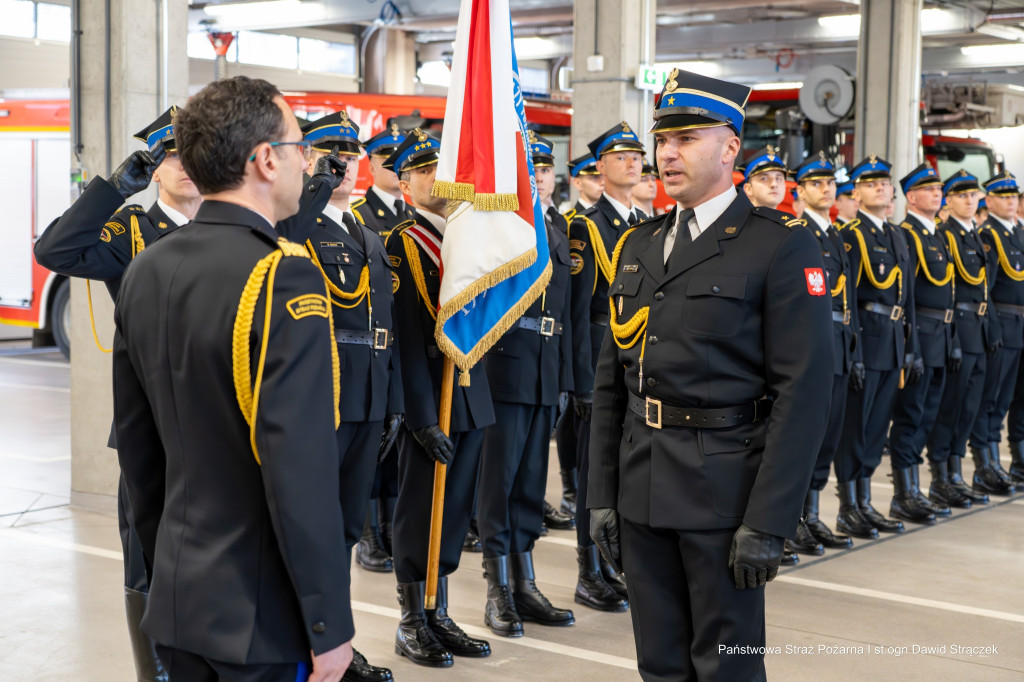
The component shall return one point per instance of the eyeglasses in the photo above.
(305, 144)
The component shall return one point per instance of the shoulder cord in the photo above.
(626, 334)
(1015, 275)
(138, 244)
(921, 262)
(865, 267)
(92, 320)
(972, 280)
(362, 287)
(600, 254)
(412, 252)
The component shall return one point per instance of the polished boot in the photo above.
(1017, 463)
(148, 667)
(850, 520)
(954, 465)
(569, 492)
(500, 612)
(904, 502)
(986, 480)
(993, 461)
(451, 635)
(415, 639)
(370, 552)
(591, 589)
(472, 542)
(614, 580)
(558, 520)
(359, 670)
(805, 542)
(531, 604)
(789, 557)
(942, 491)
(937, 508)
(817, 527)
(873, 516)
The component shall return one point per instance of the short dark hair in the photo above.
(219, 127)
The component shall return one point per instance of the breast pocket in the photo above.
(624, 294)
(715, 304)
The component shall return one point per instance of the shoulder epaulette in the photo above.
(291, 248)
(906, 226)
(398, 229)
(568, 215)
(358, 202)
(780, 217)
(853, 224)
(122, 217)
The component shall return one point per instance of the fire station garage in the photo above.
(884, 136)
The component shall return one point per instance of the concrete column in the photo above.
(390, 62)
(133, 66)
(621, 34)
(889, 84)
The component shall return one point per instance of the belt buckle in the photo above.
(982, 308)
(896, 314)
(846, 317)
(380, 339)
(656, 404)
(949, 317)
(547, 326)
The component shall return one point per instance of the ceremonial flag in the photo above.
(495, 252)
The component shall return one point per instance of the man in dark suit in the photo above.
(234, 482)
(527, 369)
(429, 637)
(885, 294)
(711, 398)
(917, 405)
(383, 207)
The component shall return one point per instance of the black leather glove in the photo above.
(438, 446)
(955, 359)
(994, 347)
(857, 375)
(915, 370)
(135, 172)
(330, 168)
(584, 404)
(604, 529)
(754, 557)
(391, 424)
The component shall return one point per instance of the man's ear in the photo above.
(404, 186)
(748, 190)
(266, 163)
(600, 166)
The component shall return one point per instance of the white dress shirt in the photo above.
(704, 216)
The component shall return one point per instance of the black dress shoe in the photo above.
(789, 558)
(873, 516)
(370, 552)
(148, 665)
(500, 612)
(451, 635)
(591, 588)
(850, 520)
(531, 604)
(415, 639)
(817, 528)
(993, 461)
(942, 492)
(557, 520)
(361, 671)
(1016, 469)
(472, 542)
(805, 542)
(905, 504)
(954, 466)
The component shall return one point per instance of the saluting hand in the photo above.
(331, 168)
(135, 172)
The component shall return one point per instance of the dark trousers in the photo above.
(134, 565)
(385, 478)
(183, 666)
(513, 471)
(865, 425)
(913, 417)
(996, 394)
(1015, 415)
(961, 397)
(358, 443)
(582, 428)
(685, 607)
(411, 531)
(565, 438)
(833, 431)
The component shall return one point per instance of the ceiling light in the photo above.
(936, 20)
(246, 14)
(787, 85)
(703, 68)
(434, 73)
(992, 54)
(841, 26)
(1000, 31)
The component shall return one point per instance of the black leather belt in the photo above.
(894, 313)
(657, 414)
(842, 316)
(545, 326)
(378, 339)
(935, 314)
(1010, 309)
(599, 319)
(980, 309)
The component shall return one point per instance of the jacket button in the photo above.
(651, 381)
(746, 441)
(652, 340)
(659, 295)
(373, 291)
(716, 289)
(319, 627)
(620, 287)
(369, 261)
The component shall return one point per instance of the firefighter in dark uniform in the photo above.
(846, 203)
(429, 637)
(1015, 417)
(352, 259)
(527, 369)
(816, 187)
(383, 206)
(593, 234)
(587, 180)
(233, 481)
(885, 295)
(976, 340)
(711, 397)
(917, 405)
(1004, 247)
(764, 178)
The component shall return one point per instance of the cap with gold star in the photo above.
(767, 159)
(960, 182)
(385, 142)
(333, 130)
(690, 100)
(922, 176)
(160, 131)
(583, 165)
(542, 150)
(618, 138)
(1004, 184)
(871, 168)
(814, 167)
(418, 149)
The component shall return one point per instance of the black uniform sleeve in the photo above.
(298, 450)
(582, 283)
(396, 399)
(606, 427)
(995, 331)
(910, 285)
(565, 378)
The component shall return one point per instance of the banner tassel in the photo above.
(463, 378)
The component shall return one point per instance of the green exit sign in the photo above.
(652, 77)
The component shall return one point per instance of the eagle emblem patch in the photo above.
(815, 281)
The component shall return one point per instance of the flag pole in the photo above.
(444, 420)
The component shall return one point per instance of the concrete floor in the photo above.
(955, 584)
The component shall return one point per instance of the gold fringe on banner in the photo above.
(453, 191)
(496, 202)
(464, 191)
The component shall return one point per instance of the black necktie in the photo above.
(632, 220)
(683, 236)
(399, 207)
(353, 229)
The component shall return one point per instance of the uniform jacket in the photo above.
(743, 313)
(929, 256)
(844, 298)
(422, 361)
(524, 366)
(1005, 251)
(593, 234)
(380, 218)
(248, 561)
(973, 332)
(883, 341)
